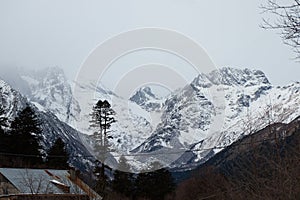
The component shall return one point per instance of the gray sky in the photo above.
(45, 33)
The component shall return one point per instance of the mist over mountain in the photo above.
(48, 88)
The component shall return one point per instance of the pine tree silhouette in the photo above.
(160, 181)
(58, 156)
(3, 119)
(4, 137)
(25, 134)
(102, 119)
(123, 179)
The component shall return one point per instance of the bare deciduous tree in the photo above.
(287, 21)
(36, 184)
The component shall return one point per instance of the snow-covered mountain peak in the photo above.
(202, 81)
(52, 75)
(146, 98)
(51, 89)
(8, 99)
(238, 77)
(3, 84)
(47, 88)
(148, 90)
(142, 95)
(232, 77)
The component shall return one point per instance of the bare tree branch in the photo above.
(287, 21)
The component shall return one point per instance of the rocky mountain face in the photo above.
(215, 110)
(145, 98)
(48, 88)
(52, 128)
(184, 129)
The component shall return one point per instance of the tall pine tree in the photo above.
(25, 132)
(102, 119)
(3, 119)
(4, 137)
(58, 156)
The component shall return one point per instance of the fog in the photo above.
(37, 34)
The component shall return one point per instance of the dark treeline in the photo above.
(153, 185)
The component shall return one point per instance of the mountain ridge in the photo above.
(214, 110)
(13, 102)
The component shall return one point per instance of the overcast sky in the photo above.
(45, 33)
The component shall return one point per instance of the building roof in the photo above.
(40, 181)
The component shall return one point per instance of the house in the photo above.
(25, 184)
